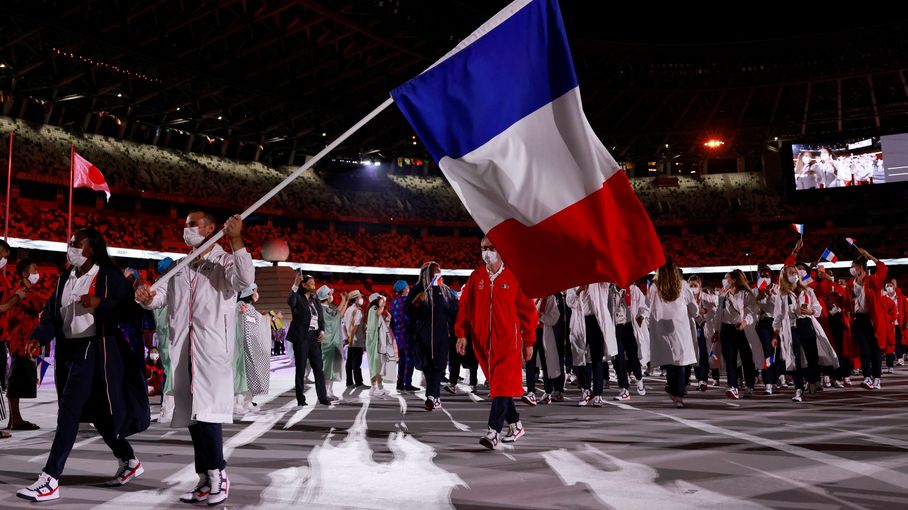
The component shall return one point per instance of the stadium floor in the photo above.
(842, 449)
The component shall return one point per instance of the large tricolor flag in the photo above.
(502, 116)
(87, 175)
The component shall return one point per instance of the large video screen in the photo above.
(858, 162)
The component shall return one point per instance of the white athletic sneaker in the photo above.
(46, 488)
(546, 399)
(436, 403)
(490, 440)
(848, 382)
(623, 395)
(596, 401)
(827, 382)
(584, 398)
(641, 388)
(732, 393)
(128, 470)
(783, 381)
(529, 398)
(889, 370)
(867, 384)
(200, 493)
(220, 486)
(876, 384)
(838, 384)
(900, 362)
(768, 389)
(515, 432)
(166, 409)
(799, 396)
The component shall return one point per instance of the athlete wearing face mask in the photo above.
(869, 325)
(765, 293)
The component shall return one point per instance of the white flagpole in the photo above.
(274, 191)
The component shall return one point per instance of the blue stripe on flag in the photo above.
(516, 68)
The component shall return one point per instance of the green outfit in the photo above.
(162, 336)
(240, 383)
(332, 345)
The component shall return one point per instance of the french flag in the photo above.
(798, 227)
(769, 361)
(501, 114)
(829, 256)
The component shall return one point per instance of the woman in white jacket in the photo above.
(671, 311)
(794, 322)
(735, 320)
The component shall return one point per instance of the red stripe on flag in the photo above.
(607, 236)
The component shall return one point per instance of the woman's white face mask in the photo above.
(793, 279)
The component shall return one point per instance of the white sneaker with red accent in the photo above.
(200, 493)
(46, 488)
(128, 470)
(515, 432)
(490, 440)
(220, 486)
(529, 399)
(623, 395)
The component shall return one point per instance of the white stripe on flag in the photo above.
(554, 160)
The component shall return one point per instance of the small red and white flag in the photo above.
(87, 175)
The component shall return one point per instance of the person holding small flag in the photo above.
(796, 329)
(765, 295)
(869, 323)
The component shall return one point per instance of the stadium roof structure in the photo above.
(274, 80)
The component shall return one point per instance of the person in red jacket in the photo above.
(869, 323)
(496, 314)
(892, 319)
(901, 323)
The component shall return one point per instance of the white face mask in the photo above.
(359, 302)
(793, 279)
(75, 258)
(890, 289)
(726, 283)
(33, 278)
(153, 357)
(854, 272)
(2, 262)
(489, 256)
(192, 237)
(695, 290)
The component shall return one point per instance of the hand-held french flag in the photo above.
(799, 228)
(829, 256)
(502, 116)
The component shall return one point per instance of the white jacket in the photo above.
(549, 342)
(598, 293)
(580, 354)
(201, 299)
(750, 330)
(673, 334)
(782, 324)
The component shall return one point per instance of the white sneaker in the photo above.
(166, 415)
(768, 389)
(490, 440)
(867, 384)
(436, 403)
(732, 393)
(827, 382)
(900, 362)
(783, 381)
(889, 370)
(838, 384)
(220, 486)
(584, 398)
(546, 399)
(641, 388)
(876, 384)
(46, 488)
(128, 470)
(529, 398)
(596, 401)
(623, 395)
(799, 396)
(200, 492)
(378, 393)
(515, 432)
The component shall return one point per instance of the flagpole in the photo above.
(72, 159)
(9, 181)
(268, 196)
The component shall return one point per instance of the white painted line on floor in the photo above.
(804, 486)
(867, 469)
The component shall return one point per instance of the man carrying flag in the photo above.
(529, 168)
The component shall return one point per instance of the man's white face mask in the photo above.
(489, 256)
(192, 237)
